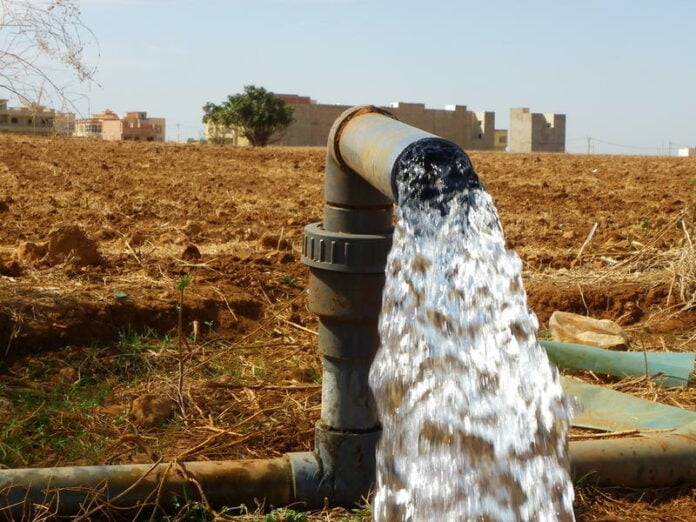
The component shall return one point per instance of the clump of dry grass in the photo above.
(649, 261)
(684, 269)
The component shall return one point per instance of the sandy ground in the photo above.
(138, 217)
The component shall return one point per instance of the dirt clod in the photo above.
(192, 229)
(275, 242)
(10, 268)
(70, 244)
(151, 411)
(191, 253)
(29, 253)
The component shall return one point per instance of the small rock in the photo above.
(150, 410)
(567, 327)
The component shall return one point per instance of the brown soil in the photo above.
(95, 236)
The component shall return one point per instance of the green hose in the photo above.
(670, 369)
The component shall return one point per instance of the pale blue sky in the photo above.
(623, 71)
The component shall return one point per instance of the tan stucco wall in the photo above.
(534, 132)
(311, 125)
(148, 129)
(469, 130)
(112, 130)
(501, 139)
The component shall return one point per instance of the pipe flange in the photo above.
(340, 252)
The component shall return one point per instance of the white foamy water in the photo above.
(474, 418)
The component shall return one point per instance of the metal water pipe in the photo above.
(346, 254)
(136, 491)
(654, 460)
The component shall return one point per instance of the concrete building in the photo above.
(500, 141)
(311, 124)
(134, 126)
(35, 119)
(215, 133)
(532, 132)
(689, 152)
(92, 127)
(470, 130)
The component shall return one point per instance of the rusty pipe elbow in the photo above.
(387, 154)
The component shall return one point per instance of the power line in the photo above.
(634, 147)
(662, 148)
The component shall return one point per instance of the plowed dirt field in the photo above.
(88, 328)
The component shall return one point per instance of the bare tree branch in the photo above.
(43, 47)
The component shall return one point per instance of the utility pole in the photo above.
(178, 132)
(589, 144)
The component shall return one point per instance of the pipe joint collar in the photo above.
(341, 252)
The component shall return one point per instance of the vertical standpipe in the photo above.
(347, 255)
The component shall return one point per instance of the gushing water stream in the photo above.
(474, 418)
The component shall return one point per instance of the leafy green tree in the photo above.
(217, 119)
(257, 113)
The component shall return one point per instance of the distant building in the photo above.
(312, 122)
(134, 126)
(687, 152)
(296, 99)
(532, 132)
(216, 133)
(468, 129)
(92, 127)
(35, 119)
(501, 140)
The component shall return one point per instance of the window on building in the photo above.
(14, 120)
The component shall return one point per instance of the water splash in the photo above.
(474, 418)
